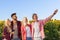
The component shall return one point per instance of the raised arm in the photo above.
(49, 18)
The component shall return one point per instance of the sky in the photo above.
(25, 8)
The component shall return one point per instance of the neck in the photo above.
(25, 24)
(14, 21)
(35, 20)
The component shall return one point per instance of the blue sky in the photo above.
(25, 8)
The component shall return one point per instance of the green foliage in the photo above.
(1, 29)
(51, 31)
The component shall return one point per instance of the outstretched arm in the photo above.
(49, 18)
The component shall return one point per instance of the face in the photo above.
(25, 20)
(8, 22)
(14, 17)
(35, 17)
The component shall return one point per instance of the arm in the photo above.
(49, 18)
(4, 32)
(22, 32)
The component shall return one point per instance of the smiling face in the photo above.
(14, 17)
(35, 17)
(7, 22)
(25, 19)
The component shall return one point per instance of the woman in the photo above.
(26, 30)
(7, 30)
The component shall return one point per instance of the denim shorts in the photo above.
(28, 38)
(15, 39)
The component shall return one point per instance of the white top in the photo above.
(15, 35)
(28, 31)
(4, 39)
(36, 29)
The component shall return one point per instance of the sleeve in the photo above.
(46, 20)
(4, 32)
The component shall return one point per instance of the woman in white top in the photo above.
(26, 30)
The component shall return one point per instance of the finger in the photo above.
(56, 10)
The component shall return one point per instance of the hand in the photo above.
(55, 11)
(12, 32)
(3, 34)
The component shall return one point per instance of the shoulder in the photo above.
(29, 25)
(5, 28)
(32, 23)
(40, 21)
(19, 21)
